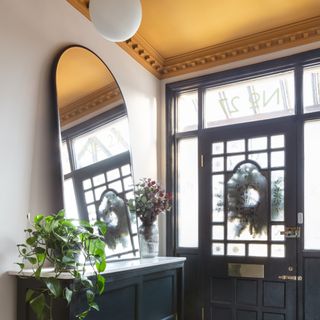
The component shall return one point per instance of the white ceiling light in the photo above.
(116, 20)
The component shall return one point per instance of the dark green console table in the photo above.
(146, 289)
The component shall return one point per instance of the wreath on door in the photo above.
(113, 211)
(247, 192)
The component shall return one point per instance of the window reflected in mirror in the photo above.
(95, 149)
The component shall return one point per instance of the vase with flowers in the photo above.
(149, 201)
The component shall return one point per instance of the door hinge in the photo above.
(201, 161)
(290, 278)
(202, 313)
(291, 232)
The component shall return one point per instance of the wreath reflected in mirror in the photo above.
(247, 194)
(114, 212)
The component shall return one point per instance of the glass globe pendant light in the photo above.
(116, 20)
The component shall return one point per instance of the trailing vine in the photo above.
(58, 241)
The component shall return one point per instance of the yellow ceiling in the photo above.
(175, 27)
(181, 36)
(80, 73)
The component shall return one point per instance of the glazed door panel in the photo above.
(248, 213)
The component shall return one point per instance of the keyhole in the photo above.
(290, 268)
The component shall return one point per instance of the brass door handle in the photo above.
(291, 232)
(290, 278)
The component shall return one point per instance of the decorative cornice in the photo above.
(284, 37)
(276, 39)
(144, 53)
(90, 103)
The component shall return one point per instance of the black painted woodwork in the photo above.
(152, 293)
(306, 293)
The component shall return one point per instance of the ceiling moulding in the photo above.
(95, 101)
(285, 37)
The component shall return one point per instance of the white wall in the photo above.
(31, 34)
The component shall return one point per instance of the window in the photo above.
(97, 161)
(312, 184)
(243, 172)
(188, 193)
(250, 100)
(203, 106)
(311, 89)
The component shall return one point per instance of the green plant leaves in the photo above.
(38, 218)
(54, 285)
(38, 305)
(102, 227)
(59, 241)
(100, 283)
(101, 266)
(68, 294)
(29, 294)
(90, 296)
(31, 241)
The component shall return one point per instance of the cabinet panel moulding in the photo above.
(284, 37)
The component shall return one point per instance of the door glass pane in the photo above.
(217, 232)
(218, 198)
(98, 192)
(188, 193)
(256, 144)
(92, 215)
(312, 184)
(125, 170)
(278, 251)
(277, 141)
(247, 204)
(277, 159)
(311, 89)
(113, 174)
(89, 197)
(217, 249)
(217, 164)
(235, 146)
(276, 231)
(232, 161)
(277, 195)
(260, 158)
(249, 196)
(250, 100)
(217, 148)
(236, 249)
(187, 111)
(258, 250)
(86, 184)
(98, 180)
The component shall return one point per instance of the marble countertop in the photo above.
(112, 267)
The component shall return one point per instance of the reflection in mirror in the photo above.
(96, 149)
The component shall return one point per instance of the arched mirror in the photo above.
(95, 149)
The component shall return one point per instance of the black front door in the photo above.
(248, 219)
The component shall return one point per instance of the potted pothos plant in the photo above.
(75, 248)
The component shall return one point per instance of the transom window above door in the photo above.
(259, 98)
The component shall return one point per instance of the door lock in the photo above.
(291, 232)
(290, 278)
